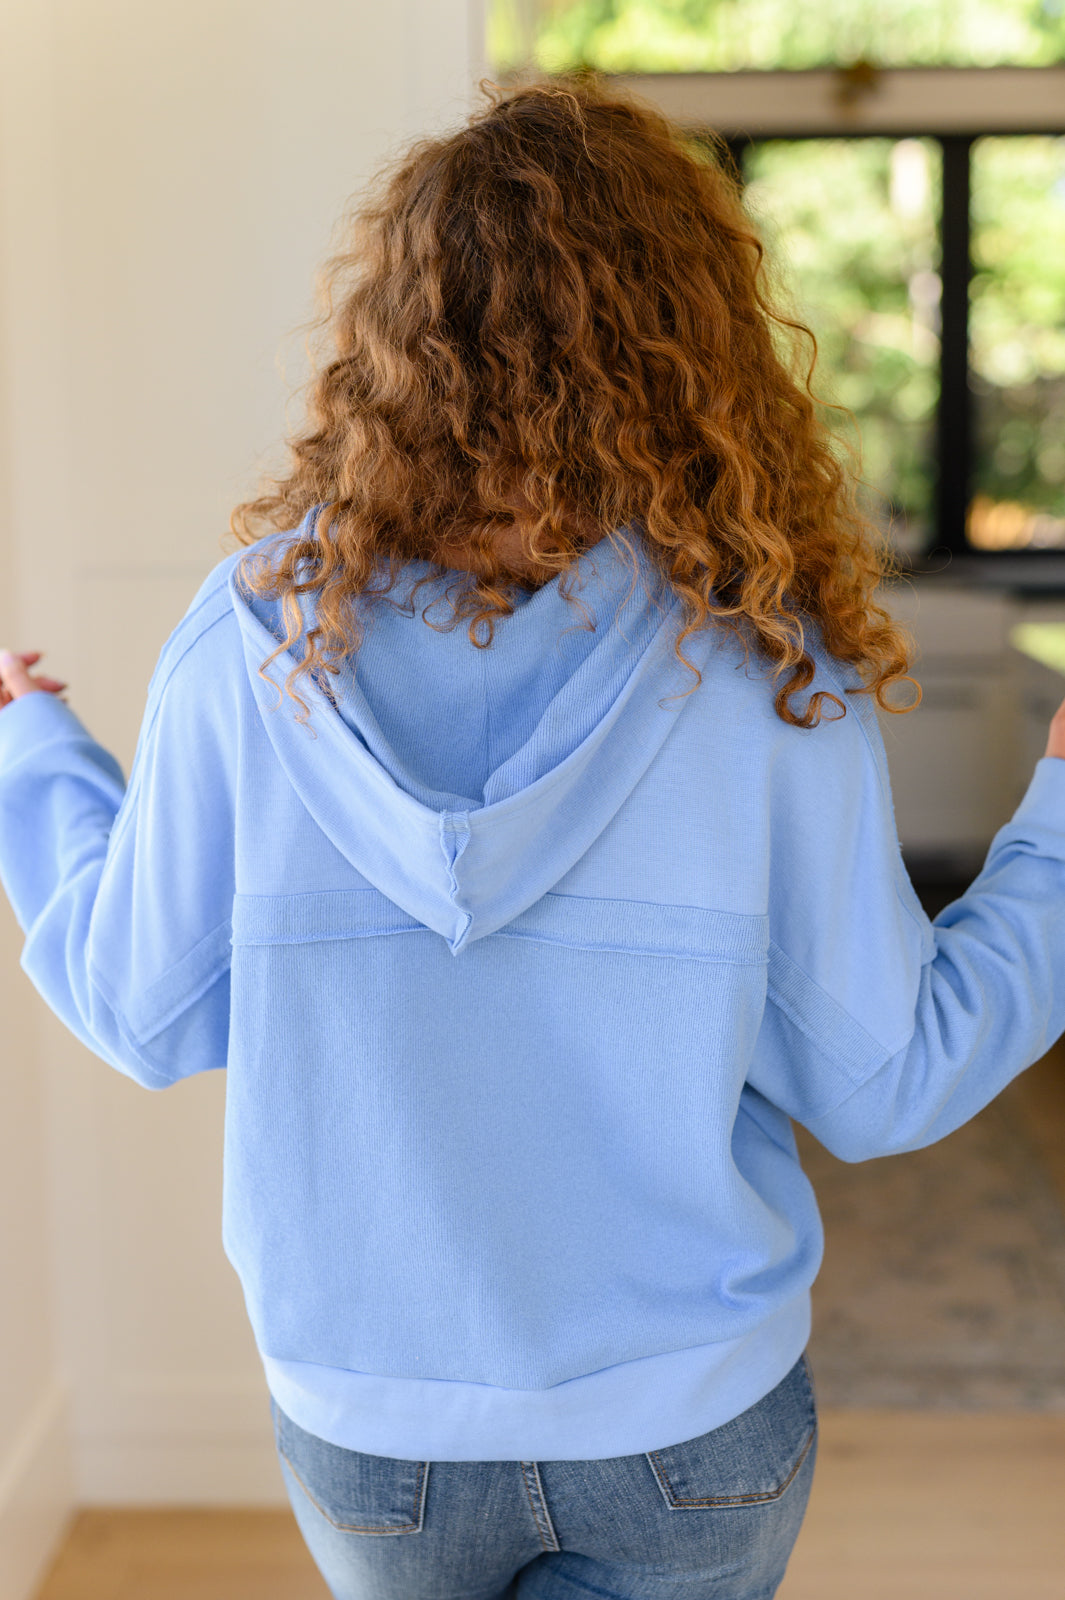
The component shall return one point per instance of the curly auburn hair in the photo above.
(550, 326)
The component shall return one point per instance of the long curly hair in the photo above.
(549, 326)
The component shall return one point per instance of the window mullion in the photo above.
(954, 419)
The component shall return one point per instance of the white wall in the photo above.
(36, 1460)
(170, 177)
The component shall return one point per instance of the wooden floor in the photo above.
(905, 1505)
(933, 1506)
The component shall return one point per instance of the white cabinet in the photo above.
(1040, 688)
(960, 762)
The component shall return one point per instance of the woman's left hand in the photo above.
(15, 680)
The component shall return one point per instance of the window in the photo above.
(932, 271)
(855, 225)
(1017, 343)
(905, 162)
(765, 35)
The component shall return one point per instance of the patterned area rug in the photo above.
(943, 1283)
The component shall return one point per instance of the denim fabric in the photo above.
(717, 1515)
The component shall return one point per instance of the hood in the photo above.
(464, 782)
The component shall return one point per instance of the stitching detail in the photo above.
(677, 1504)
(352, 1527)
(164, 672)
(503, 933)
(883, 773)
(826, 1047)
(180, 1008)
(775, 994)
(634, 950)
(346, 927)
(326, 938)
(538, 1507)
(132, 1050)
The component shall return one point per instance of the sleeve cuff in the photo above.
(36, 719)
(1041, 813)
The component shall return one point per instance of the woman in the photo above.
(524, 944)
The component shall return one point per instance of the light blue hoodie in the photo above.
(519, 970)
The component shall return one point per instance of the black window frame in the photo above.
(1040, 570)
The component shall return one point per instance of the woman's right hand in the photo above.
(15, 679)
(1056, 741)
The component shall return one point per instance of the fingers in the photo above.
(15, 679)
(14, 675)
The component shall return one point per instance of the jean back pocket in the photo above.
(747, 1461)
(357, 1493)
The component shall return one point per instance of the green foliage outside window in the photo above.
(1017, 329)
(850, 228)
(734, 35)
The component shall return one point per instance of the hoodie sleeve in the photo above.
(125, 894)
(885, 1031)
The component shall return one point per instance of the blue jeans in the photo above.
(716, 1516)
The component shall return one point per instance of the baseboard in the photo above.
(198, 1439)
(37, 1499)
(178, 1475)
